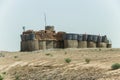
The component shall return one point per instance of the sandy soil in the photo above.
(51, 65)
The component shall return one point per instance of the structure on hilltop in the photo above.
(49, 39)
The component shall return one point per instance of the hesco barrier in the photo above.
(23, 37)
(32, 36)
(102, 45)
(49, 44)
(82, 44)
(90, 38)
(33, 45)
(109, 45)
(104, 38)
(70, 36)
(91, 44)
(60, 44)
(42, 44)
(60, 35)
(99, 39)
(24, 46)
(75, 37)
(85, 36)
(48, 39)
(80, 37)
(28, 32)
(95, 37)
(27, 37)
(70, 43)
(54, 44)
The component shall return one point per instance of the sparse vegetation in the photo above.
(67, 60)
(87, 60)
(100, 49)
(2, 55)
(1, 78)
(115, 66)
(65, 52)
(17, 77)
(15, 56)
(73, 64)
(48, 54)
(3, 73)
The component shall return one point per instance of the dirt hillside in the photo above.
(52, 65)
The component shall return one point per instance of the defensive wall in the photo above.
(50, 39)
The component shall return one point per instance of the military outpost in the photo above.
(50, 39)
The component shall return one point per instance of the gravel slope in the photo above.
(51, 65)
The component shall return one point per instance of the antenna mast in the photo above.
(45, 20)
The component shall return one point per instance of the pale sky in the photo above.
(75, 16)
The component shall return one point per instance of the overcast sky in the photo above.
(78, 16)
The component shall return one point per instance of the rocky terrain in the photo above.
(86, 64)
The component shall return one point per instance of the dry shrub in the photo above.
(87, 60)
(67, 60)
(115, 66)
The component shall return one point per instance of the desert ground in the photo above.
(51, 64)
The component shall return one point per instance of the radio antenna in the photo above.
(45, 20)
